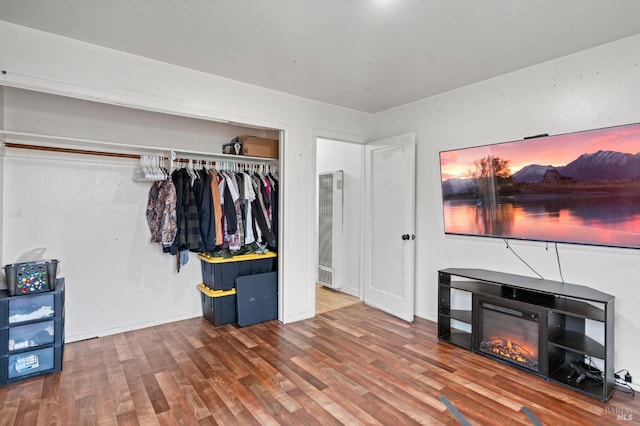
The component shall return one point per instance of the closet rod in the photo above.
(71, 150)
(66, 140)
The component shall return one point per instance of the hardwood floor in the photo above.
(328, 300)
(353, 365)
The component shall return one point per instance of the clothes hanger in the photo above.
(159, 169)
(144, 164)
(153, 169)
(163, 168)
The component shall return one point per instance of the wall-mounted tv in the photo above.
(581, 188)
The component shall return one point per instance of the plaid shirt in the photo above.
(188, 236)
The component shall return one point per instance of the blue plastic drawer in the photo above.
(30, 363)
(33, 307)
(21, 337)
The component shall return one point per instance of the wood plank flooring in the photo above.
(328, 299)
(353, 365)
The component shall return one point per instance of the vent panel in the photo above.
(330, 238)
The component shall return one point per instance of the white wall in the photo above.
(332, 155)
(37, 112)
(596, 88)
(58, 65)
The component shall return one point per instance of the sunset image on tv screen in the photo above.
(580, 188)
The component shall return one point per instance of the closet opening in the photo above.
(74, 196)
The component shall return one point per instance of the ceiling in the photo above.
(368, 55)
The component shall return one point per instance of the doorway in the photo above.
(337, 155)
(328, 299)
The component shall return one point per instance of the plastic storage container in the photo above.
(221, 273)
(218, 307)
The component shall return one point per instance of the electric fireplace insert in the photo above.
(510, 331)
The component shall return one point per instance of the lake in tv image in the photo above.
(581, 187)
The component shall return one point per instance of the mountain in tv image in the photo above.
(601, 166)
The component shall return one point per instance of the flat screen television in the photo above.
(581, 188)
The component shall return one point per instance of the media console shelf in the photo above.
(572, 324)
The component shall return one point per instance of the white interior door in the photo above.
(389, 225)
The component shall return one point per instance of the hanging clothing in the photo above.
(231, 208)
(188, 236)
(238, 238)
(274, 210)
(204, 203)
(249, 196)
(260, 214)
(213, 211)
(177, 178)
(228, 207)
(217, 207)
(193, 237)
(161, 212)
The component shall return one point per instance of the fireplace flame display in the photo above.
(511, 351)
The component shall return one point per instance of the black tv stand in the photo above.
(564, 312)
